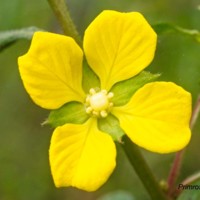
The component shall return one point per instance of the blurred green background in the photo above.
(24, 143)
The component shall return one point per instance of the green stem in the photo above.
(143, 171)
(61, 11)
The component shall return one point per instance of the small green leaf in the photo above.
(110, 125)
(90, 79)
(73, 112)
(124, 90)
(162, 28)
(190, 192)
(7, 38)
(117, 195)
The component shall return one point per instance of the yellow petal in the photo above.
(157, 117)
(119, 46)
(52, 70)
(81, 156)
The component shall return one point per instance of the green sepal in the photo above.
(90, 79)
(124, 90)
(110, 125)
(8, 38)
(72, 112)
(162, 28)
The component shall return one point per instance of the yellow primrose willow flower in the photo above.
(117, 46)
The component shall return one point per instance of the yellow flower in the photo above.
(117, 46)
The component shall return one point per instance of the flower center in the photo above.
(98, 104)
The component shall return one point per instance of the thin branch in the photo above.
(191, 179)
(195, 113)
(174, 172)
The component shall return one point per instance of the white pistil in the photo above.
(98, 104)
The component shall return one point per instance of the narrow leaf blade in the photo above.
(8, 38)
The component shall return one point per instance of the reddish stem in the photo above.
(176, 166)
(195, 113)
(174, 171)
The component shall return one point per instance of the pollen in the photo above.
(98, 103)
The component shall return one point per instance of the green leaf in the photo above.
(191, 191)
(72, 112)
(90, 79)
(7, 38)
(124, 90)
(162, 28)
(117, 195)
(110, 125)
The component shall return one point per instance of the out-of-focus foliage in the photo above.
(24, 165)
(162, 28)
(8, 38)
(117, 195)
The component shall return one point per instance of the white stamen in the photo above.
(104, 91)
(103, 113)
(87, 99)
(92, 91)
(89, 110)
(110, 95)
(95, 113)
